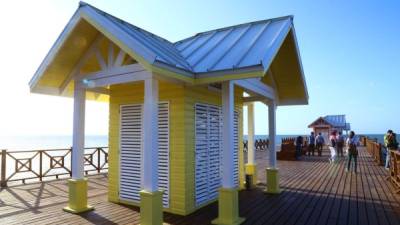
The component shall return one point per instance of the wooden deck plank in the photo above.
(385, 195)
(314, 192)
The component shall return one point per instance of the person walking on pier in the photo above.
(352, 152)
(332, 147)
(299, 147)
(311, 145)
(320, 141)
(390, 143)
(340, 144)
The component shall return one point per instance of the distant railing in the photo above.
(52, 163)
(259, 145)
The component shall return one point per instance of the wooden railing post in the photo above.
(380, 154)
(40, 165)
(70, 173)
(98, 160)
(3, 182)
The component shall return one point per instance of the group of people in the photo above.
(390, 143)
(337, 143)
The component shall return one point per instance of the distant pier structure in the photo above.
(327, 124)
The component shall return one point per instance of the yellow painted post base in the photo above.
(251, 169)
(228, 207)
(272, 181)
(77, 193)
(151, 208)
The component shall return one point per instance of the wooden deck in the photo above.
(314, 192)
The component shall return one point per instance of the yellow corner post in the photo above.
(151, 208)
(228, 207)
(272, 181)
(251, 169)
(77, 201)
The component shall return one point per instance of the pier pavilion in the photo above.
(175, 125)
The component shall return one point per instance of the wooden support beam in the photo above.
(120, 58)
(117, 75)
(257, 87)
(110, 62)
(75, 71)
(228, 180)
(150, 136)
(100, 60)
(78, 137)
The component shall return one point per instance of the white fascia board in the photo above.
(113, 32)
(55, 49)
(256, 86)
(276, 45)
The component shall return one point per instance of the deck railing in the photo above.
(375, 150)
(20, 166)
(394, 170)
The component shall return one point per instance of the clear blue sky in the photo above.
(350, 52)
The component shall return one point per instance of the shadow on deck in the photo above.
(314, 192)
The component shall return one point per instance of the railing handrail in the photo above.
(48, 150)
(95, 159)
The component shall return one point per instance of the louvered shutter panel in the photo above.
(201, 153)
(214, 150)
(236, 148)
(208, 151)
(131, 151)
(163, 151)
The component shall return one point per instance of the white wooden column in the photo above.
(78, 136)
(250, 134)
(228, 166)
(272, 134)
(150, 136)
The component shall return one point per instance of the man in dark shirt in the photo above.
(311, 146)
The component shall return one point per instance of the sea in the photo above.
(43, 142)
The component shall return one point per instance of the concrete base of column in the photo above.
(272, 181)
(151, 208)
(77, 196)
(228, 207)
(251, 169)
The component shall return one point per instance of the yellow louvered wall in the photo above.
(181, 102)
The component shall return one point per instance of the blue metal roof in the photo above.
(336, 120)
(233, 47)
(241, 46)
(160, 47)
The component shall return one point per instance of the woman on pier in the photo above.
(352, 151)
